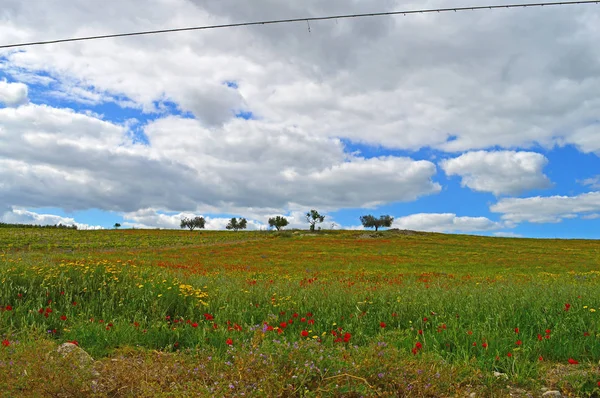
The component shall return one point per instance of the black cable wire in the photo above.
(308, 19)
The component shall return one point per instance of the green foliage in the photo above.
(313, 217)
(117, 225)
(56, 226)
(237, 224)
(192, 223)
(370, 221)
(278, 222)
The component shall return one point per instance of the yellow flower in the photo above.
(592, 310)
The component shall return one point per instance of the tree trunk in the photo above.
(376, 228)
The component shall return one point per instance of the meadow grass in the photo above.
(343, 313)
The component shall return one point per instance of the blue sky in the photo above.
(491, 128)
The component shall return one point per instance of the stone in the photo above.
(552, 393)
(501, 375)
(75, 353)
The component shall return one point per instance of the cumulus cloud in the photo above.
(465, 81)
(57, 157)
(550, 209)
(507, 235)
(499, 172)
(21, 216)
(13, 94)
(445, 222)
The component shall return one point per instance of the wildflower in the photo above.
(8, 308)
(73, 342)
(309, 314)
(484, 345)
(215, 326)
(548, 331)
(63, 317)
(517, 330)
(74, 303)
(394, 314)
(347, 337)
(302, 319)
(541, 358)
(283, 325)
(586, 334)
(567, 307)
(425, 319)
(519, 342)
(470, 332)
(209, 317)
(474, 344)
(295, 315)
(418, 345)
(195, 324)
(136, 324)
(229, 341)
(382, 324)
(304, 333)
(311, 322)
(573, 361)
(5, 342)
(509, 355)
(420, 331)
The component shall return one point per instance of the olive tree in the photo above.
(237, 224)
(313, 217)
(193, 223)
(278, 222)
(370, 221)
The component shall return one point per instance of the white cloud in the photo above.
(593, 182)
(489, 78)
(21, 216)
(13, 94)
(56, 157)
(499, 172)
(551, 209)
(507, 235)
(445, 222)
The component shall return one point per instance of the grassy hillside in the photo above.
(294, 313)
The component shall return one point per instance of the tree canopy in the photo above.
(278, 222)
(313, 217)
(370, 221)
(193, 223)
(237, 224)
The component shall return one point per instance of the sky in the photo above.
(479, 122)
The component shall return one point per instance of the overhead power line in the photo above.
(308, 19)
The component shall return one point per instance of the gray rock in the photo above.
(552, 393)
(79, 357)
(501, 375)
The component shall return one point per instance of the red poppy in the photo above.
(41, 310)
(8, 308)
(309, 314)
(74, 303)
(5, 342)
(573, 361)
(586, 334)
(517, 330)
(420, 331)
(229, 342)
(567, 307)
(136, 324)
(424, 319)
(394, 314)
(283, 325)
(382, 324)
(470, 332)
(302, 319)
(195, 324)
(63, 317)
(418, 345)
(304, 333)
(290, 321)
(509, 355)
(548, 331)
(347, 337)
(541, 358)
(519, 342)
(474, 344)
(539, 337)
(295, 315)
(215, 326)
(269, 328)
(73, 342)
(311, 322)
(208, 317)
(484, 345)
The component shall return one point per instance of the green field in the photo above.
(338, 313)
